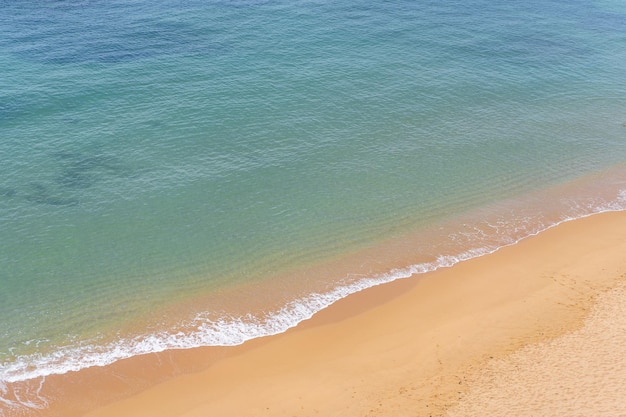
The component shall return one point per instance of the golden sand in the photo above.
(537, 328)
(580, 374)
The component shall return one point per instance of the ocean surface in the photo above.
(198, 173)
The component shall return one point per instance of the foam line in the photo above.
(230, 331)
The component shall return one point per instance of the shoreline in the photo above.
(402, 347)
(232, 315)
(427, 336)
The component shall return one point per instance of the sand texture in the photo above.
(537, 329)
(580, 374)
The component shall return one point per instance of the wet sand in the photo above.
(513, 332)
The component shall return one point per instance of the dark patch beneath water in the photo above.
(79, 171)
(7, 192)
(39, 193)
(67, 185)
(73, 178)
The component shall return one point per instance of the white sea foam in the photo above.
(226, 331)
(205, 330)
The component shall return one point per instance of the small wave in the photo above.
(205, 330)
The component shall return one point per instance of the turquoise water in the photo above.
(155, 156)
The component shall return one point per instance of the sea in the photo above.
(176, 175)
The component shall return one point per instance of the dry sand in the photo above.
(580, 374)
(500, 335)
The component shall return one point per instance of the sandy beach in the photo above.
(537, 328)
